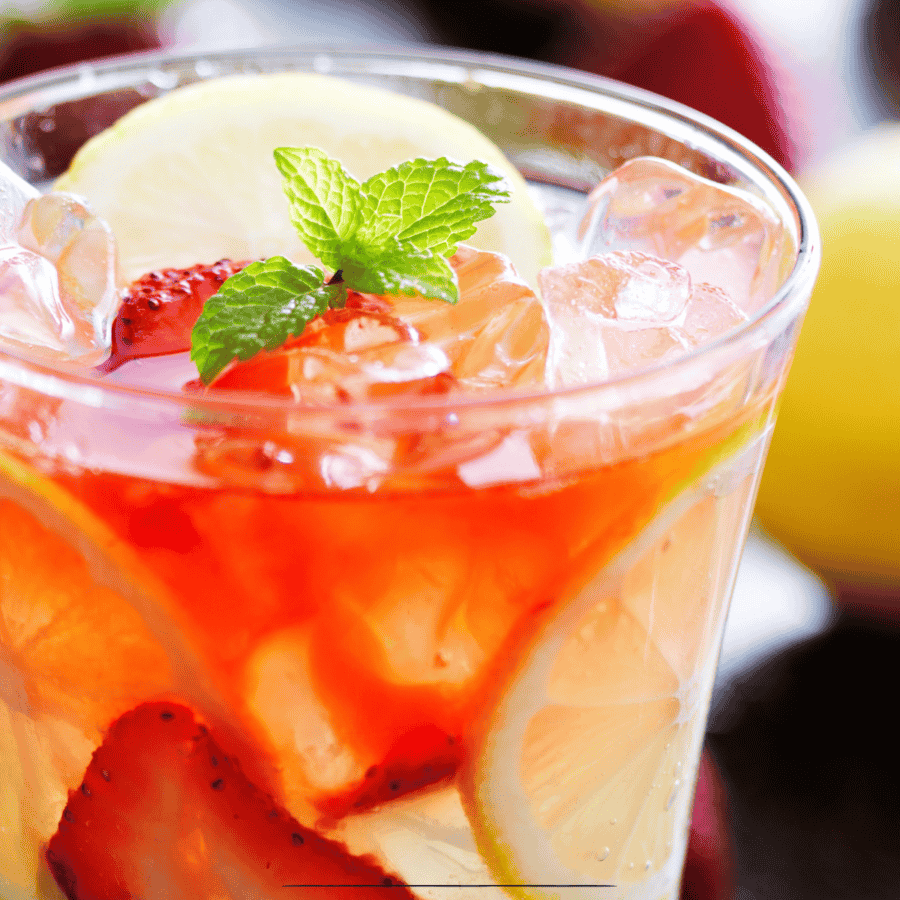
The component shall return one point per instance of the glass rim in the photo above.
(550, 81)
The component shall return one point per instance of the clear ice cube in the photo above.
(624, 311)
(58, 293)
(496, 335)
(709, 313)
(722, 235)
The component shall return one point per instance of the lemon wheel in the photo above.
(86, 632)
(189, 177)
(575, 780)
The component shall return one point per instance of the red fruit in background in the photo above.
(30, 47)
(159, 310)
(164, 812)
(881, 50)
(709, 871)
(698, 53)
(50, 138)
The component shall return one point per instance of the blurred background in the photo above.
(800, 726)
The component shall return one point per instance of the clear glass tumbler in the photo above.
(471, 637)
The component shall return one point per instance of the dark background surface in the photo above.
(810, 759)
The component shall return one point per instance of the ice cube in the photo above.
(15, 194)
(612, 314)
(624, 311)
(496, 335)
(709, 313)
(721, 235)
(58, 291)
(628, 286)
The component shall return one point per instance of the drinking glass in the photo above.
(473, 636)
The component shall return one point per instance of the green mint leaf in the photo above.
(403, 269)
(326, 205)
(431, 204)
(259, 308)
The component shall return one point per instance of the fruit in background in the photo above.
(65, 32)
(709, 871)
(881, 48)
(831, 487)
(696, 52)
(73, 32)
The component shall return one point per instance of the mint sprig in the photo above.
(390, 235)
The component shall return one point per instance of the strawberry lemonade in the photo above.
(372, 485)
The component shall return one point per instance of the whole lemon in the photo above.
(831, 487)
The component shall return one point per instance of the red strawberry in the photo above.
(164, 812)
(423, 756)
(159, 310)
(362, 351)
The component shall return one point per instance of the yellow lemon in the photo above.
(831, 487)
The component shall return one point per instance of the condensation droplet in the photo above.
(647, 865)
(676, 786)
(613, 821)
(602, 854)
(205, 68)
(323, 63)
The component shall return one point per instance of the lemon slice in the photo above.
(86, 631)
(575, 783)
(189, 177)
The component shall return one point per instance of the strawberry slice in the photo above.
(159, 310)
(164, 812)
(423, 756)
(360, 352)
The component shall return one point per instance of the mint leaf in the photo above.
(325, 200)
(431, 204)
(404, 269)
(258, 309)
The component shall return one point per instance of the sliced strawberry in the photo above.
(423, 756)
(159, 310)
(164, 812)
(360, 352)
